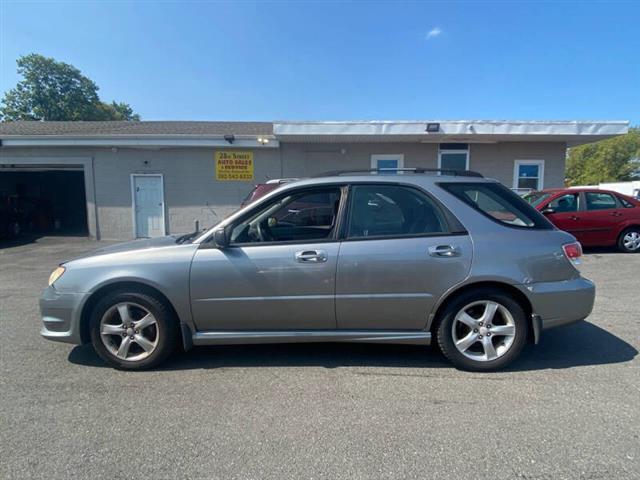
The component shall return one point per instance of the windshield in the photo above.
(536, 198)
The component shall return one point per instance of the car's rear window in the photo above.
(498, 203)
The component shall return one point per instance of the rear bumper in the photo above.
(61, 315)
(561, 303)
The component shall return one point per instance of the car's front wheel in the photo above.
(482, 330)
(133, 330)
(629, 240)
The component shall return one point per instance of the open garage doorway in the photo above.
(46, 201)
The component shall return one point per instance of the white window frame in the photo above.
(389, 156)
(133, 201)
(467, 151)
(516, 169)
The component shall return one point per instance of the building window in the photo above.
(453, 156)
(528, 175)
(390, 161)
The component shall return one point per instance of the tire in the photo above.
(474, 335)
(151, 336)
(629, 240)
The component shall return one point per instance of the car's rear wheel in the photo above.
(482, 330)
(133, 330)
(629, 240)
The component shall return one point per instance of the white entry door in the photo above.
(148, 205)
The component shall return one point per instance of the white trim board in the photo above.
(124, 141)
(457, 127)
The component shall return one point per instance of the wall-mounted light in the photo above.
(263, 140)
(433, 127)
(229, 138)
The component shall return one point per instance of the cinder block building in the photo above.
(121, 180)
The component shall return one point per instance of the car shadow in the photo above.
(6, 242)
(581, 344)
(29, 238)
(601, 251)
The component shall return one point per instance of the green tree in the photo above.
(51, 90)
(612, 160)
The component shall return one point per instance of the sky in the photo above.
(358, 60)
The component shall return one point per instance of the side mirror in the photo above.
(220, 238)
(548, 211)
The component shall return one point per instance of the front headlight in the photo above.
(56, 274)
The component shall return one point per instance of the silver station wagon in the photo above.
(412, 257)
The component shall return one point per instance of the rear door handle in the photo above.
(573, 217)
(445, 251)
(615, 214)
(311, 256)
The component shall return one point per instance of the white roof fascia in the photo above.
(129, 141)
(457, 127)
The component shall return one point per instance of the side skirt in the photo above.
(310, 336)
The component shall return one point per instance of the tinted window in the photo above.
(390, 210)
(536, 198)
(303, 216)
(600, 201)
(499, 203)
(625, 203)
(565, 203)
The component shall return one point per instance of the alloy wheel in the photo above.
(631, 241)
(129, 331)
(483, 330)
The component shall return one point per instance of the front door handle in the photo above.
(445, 251)
(311, 256)
(573, 217)
(615, 214)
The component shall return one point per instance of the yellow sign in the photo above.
(234, 166)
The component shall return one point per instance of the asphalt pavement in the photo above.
(568, 409)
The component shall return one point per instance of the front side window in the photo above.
(498, 203)
(600, 201)
(565, 203)
(392, 211)
(304, 216)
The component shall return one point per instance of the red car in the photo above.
(261, 189)
(595, 217)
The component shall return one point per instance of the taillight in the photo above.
(573, 252)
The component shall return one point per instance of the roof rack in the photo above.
(419, 170)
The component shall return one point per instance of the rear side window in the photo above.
(600, 201)
(393, 211)
(498, 203)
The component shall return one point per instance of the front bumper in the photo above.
(61, 315)
(561, 303)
